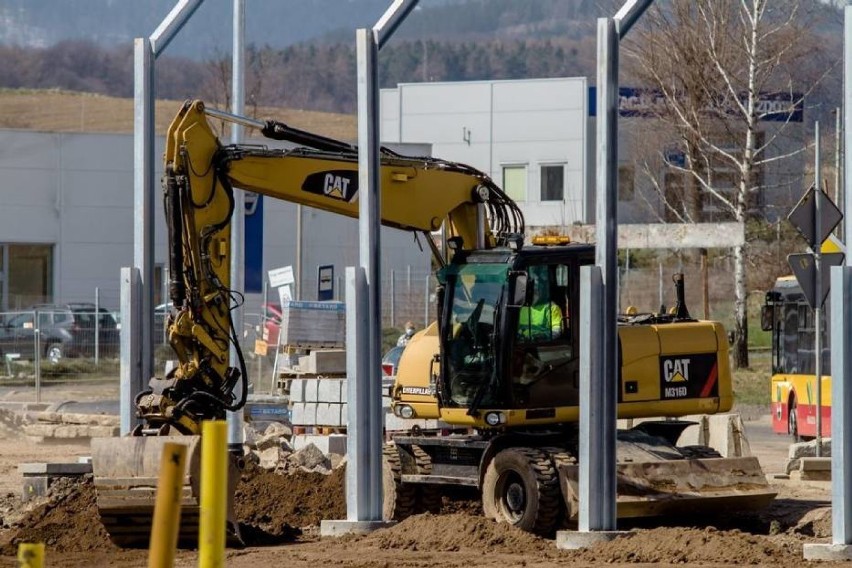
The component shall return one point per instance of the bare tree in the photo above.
(714, 62)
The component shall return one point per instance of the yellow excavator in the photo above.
(500, 365)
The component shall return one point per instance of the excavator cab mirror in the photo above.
(523, 291)
(767, 317)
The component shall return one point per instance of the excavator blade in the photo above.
(684, 486)
(126, 471)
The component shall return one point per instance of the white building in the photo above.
(530, 136)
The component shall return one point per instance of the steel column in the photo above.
(130, 355)
(235, 419)
(143, 203)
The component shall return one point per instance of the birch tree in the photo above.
(713, 62)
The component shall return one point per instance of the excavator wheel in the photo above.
(430, 500)
(521, 487)
(399, 500)
(561, 457)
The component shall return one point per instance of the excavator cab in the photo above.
(507, 339)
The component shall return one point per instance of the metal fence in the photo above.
(61, 351)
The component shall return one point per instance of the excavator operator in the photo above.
(542, 320)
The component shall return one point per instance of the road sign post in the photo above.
(815, 217)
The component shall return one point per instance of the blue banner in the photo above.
(771, 107)
(253, 244)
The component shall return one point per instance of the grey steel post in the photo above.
(841, 350)
(838, 152)
(596, 511)
(599, 513)
(143, 200)
(597, 496)
(841, 398)
(369, 226)
(360, 480)
(392, 297)
(97, 322)
(145, 51)
(818, 311)
(299, 248)
(130, 347)
(37, 353)
(235, 419)
(366, 403)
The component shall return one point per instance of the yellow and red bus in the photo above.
(790, 318)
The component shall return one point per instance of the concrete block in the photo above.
(337, 444)
(333, 529)
(808, 449)
(829, 552)
(323, 362)
(328, 390)
(57, 469)
(311, 390)
(815, 469)
(574, 540)
(331, 444)
(304, 414)
(344, 390)
(394, 423)
(328, 414)
(297, 390)
(67, 431)
(727, 435)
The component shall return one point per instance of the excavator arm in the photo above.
(417, 194)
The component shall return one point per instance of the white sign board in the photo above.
(281, 276)
(284, 294)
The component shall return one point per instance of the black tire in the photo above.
(562, 457)
(54, 352)
(429, 499)
(521, 487)
(793, 420)
(399, 500)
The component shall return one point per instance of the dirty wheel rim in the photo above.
(513, 496)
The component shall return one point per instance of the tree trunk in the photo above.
(740, 310)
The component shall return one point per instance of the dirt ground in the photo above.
(279, 515)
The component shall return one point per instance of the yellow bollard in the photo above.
(166, 523)
(214, 494)
(31, 555)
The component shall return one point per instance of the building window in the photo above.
(626, 187)
(552, 182)
(30, 275)
(515, 182)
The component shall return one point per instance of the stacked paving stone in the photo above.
(321, 403)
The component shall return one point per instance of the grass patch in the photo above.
(751, 386)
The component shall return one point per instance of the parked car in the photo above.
(66, 330)
(390, 360)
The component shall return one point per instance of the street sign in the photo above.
(281, 276)
(325, 282)
(805, 269)
(803, 216)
